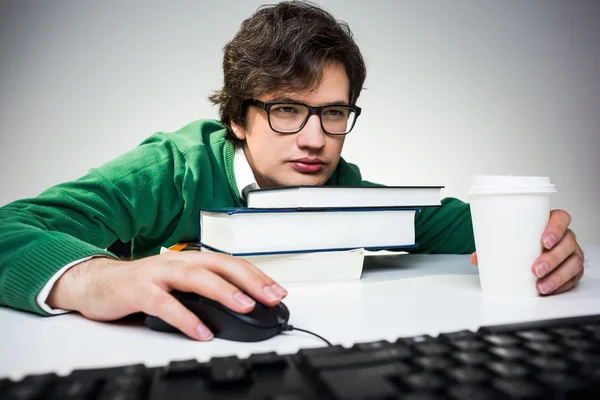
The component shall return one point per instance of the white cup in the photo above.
(509, 215)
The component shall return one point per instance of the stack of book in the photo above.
(316, 233)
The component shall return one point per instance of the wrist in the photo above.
(70, 290)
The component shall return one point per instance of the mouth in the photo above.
(308, 165)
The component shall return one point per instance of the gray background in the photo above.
(454, 88)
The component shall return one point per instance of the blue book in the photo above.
(244, 231)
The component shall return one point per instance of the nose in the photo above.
(312, 135)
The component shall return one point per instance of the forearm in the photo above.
(31, 254)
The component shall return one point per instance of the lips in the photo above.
(308, 165)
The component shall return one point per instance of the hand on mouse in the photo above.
(103, 289)
(560, 266)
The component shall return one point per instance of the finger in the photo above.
(279, 290)
(473, 259)
(159, 303)
(206, 283)
(245, 276)
(568, 269)
(550, 259)
(557, 226)
(570, 284)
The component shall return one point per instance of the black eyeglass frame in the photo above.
(311, 111)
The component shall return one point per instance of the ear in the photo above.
(238, 130)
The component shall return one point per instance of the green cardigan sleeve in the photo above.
(73, 220)
(445, 229)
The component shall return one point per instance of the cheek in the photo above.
(335, 145)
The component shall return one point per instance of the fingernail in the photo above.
(546, 287)
(243, 300)
(550, 241)
(541, 269)
(279, 290)
(271, 294)
(204, 332)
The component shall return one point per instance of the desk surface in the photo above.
(398, 295)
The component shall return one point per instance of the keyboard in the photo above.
(551, 359)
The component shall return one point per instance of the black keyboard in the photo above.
(552, 359)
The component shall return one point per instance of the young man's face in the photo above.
(308, 157)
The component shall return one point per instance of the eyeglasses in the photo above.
(291, 117)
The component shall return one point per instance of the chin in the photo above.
(303, 180)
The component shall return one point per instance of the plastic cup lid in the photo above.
(498, 184)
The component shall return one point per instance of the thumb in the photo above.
(473, 258)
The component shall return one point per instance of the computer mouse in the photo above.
(259, 324)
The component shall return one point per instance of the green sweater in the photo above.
(151, 196)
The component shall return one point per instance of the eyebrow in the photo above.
(285, 99)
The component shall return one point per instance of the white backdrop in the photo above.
(454, 88)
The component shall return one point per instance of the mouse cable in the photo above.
(293, 328)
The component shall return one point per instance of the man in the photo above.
(293, 75)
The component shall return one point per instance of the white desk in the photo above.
(399, 295)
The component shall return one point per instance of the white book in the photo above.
(298, 197)
(324, 266)
(243, 231)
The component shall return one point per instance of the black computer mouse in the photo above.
(259, 324)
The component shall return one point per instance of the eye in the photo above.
(336, 112)
(285, 110)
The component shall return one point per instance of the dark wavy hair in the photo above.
(284, 47)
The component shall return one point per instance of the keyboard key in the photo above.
(585, 357)
(136, 369)
(304, 353)
(361, 383)
(355, 358)
(426, 381)
(433, 363)
(465, 334)
(473, 392)
(564, 382)
(508, 369)
(228, 372)
(178, 369)
(581, 344)
(414, 340)
(549, 363)
(568, 332)
(289, 396)
(71, 389)
(433, 348)
(469, 344)
(594, 328)
(519, 388)
(592, 371)
(269, 360)
(545, 347)
(534, 335)
(123, 387)
(123, 394)
(509, 353)
(473, 357)
(369, 346)
(469, 374)
(31, 387)
(422, 396)
(4, 384)
(502, 339)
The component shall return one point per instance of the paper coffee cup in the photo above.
(509, 215)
